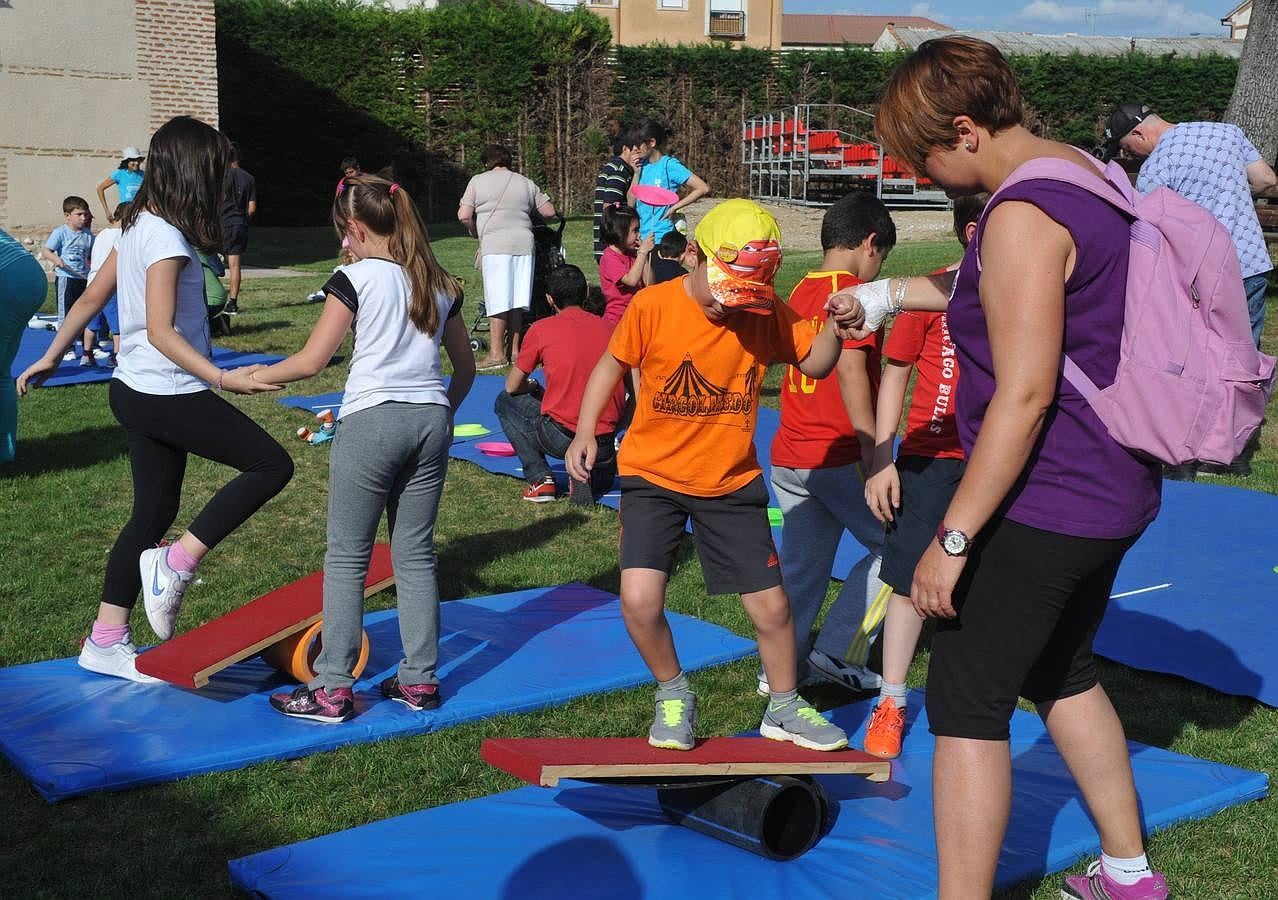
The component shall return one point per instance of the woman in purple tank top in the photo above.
(1024, 561)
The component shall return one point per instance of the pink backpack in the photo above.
(1190, 384)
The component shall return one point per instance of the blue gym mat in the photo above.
(1195, 596)
(72, 732)
(35, 342)
(584, 840)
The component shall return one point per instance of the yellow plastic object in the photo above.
(296, 654)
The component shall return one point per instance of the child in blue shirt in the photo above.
(127, 178)
(656, 168)
(68, 248)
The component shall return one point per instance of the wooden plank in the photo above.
(544, 761)
(192, 658)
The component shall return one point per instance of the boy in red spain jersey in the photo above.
(911, 495)
(819, 457)
(702, 344)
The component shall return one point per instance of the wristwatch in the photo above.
(952, 541)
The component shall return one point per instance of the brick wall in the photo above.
(177, 57)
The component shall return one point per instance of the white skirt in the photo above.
(507, 282)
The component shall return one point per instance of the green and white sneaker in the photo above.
(675, 724)
(796, 721)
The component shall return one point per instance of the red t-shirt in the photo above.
(922, 339)
(569, 345)
(613, 266)
(815, 431)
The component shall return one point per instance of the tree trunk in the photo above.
(1254, 104)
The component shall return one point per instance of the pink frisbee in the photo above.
(654, 195)
(495, 448)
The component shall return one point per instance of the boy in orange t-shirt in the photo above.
(911, 495)
(702, 344)
(820, 454)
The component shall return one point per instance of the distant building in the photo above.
(1025, 43)
(80, 81)
(1238, 20)
(748, 23)
(810, 32)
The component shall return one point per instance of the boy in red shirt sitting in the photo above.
(702, 344)
(819, 457)
(911, 495)
(541, 421)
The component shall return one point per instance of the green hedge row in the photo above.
(304, 83)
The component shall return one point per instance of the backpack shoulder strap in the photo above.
(1115, 189)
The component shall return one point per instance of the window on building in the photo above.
(672, 4)
(726, 19)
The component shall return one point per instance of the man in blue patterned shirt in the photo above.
(1213, 164)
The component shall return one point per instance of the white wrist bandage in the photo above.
(875, 301)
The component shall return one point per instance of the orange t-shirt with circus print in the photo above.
(699, 381)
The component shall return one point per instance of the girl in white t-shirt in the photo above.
(394, 430)
(163, 391)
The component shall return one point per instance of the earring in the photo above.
(967, 147)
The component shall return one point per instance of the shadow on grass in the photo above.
(67, 451)
(241, 327)
(464, 559)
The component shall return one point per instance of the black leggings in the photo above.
(161, 430)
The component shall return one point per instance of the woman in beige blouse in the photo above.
(496, 208)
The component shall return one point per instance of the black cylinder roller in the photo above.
(778, 817)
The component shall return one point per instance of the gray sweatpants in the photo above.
(818, 505)
(390, 457)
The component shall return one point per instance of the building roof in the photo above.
(827, 31)
(1027, 44)
(1245, 5)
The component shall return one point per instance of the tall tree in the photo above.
(1254, 104)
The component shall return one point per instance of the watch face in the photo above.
(954, 543)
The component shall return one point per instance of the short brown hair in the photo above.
(967, 210)
(495, 155)
(72, 203)
(941, 80)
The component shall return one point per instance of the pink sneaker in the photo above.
(1096, 885)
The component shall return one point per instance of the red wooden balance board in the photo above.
(544, 761)
(280, 625)
(751, 792)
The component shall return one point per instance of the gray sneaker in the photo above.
(798, 722)
(675, 724)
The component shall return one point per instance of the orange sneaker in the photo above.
(883, 734)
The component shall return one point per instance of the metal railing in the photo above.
(812, 154)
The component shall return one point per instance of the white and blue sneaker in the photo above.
(857, 679)
(162, 590)
(119, 660)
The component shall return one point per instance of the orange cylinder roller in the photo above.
(296, 654)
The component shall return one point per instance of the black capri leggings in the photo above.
(1029, 603)
(161, 430)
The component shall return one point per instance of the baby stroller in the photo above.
(548, 252)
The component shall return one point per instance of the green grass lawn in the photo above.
(67, 495)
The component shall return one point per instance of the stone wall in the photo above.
(80, 81)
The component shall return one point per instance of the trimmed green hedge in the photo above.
(305, 83)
